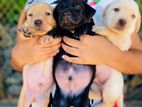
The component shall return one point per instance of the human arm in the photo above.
(98, 50)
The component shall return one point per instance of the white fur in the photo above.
(112, 89)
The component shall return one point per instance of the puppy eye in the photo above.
(47, 14)
(116, 9)
(30, 14)
(133, 16)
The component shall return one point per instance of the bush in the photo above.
(10, 10)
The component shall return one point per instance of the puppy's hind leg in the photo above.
(112, 90)
(120, 101)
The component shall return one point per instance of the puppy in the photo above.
(37, 78)
(73, 18)
(118, 23)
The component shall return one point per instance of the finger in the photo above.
(72, 42)
(50, 49)
(47, 45)
(71, 50)
(46, 57)
(75, 60)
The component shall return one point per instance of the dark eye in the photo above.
(77, 7)
(116, 9)
(47, 13)
(30, 14)
(133, 16)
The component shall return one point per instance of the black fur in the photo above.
(71, 15)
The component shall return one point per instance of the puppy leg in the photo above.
(25, 98)
(43, 99)
(112, 90)
(101, 30)
(95, 92)
(21, 98)
(120, 100)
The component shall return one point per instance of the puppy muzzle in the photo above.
(70, 19)
(121, 23)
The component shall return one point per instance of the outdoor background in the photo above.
(11, 81)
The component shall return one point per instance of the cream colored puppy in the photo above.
(120, 19)
(37, 78)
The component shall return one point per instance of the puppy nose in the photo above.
(122, 22)
(38, 22)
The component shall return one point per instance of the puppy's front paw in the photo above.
(54, 33)
(97, 29)
(28, 33)
(46, 39)
(80, 31)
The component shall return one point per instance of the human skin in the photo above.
(90, 50)
(98, 50)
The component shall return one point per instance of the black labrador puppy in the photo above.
(73, 81)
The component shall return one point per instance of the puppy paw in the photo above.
(80, 31)
(54, 33)
(28, 33)
(45, 40)
(97, 29)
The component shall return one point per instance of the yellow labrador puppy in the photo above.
(37, 78)
(119, 20)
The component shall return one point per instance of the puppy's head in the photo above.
(38, 20)
(70, 14)
(121, 16)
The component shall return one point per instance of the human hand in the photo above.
(89, 50)
(31, 51)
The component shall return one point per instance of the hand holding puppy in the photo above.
(89, 50)
(36, 52)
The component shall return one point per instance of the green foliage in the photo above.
(139, 2)
(10, 10)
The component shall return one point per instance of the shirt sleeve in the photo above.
(30, 2)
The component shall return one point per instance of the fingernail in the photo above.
(63, 56)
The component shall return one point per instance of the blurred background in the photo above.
(11, 81)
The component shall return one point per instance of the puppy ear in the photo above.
(105, 10)
(89, 12)
(138, 22)
(22, 18)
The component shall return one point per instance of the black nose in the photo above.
(38, 23)
(122, 22)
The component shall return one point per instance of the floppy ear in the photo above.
(105, 10)
(22, 18)
(138, 22)
(89, 12)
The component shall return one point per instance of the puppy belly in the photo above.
(74, 79)
(38, 77)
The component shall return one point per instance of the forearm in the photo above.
(15, 63)
(126, 62)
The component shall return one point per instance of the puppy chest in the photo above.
(73, 78)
